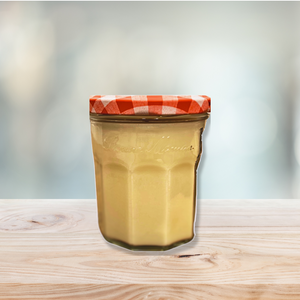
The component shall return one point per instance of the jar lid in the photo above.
(149, 105)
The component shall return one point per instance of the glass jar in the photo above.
(145, 168)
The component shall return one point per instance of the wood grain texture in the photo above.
(244, 249)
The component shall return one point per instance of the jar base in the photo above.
(146, 247)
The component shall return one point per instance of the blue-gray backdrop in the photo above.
(244, 55)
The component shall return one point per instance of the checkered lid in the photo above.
(149, 105)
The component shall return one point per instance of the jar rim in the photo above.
(149, 118)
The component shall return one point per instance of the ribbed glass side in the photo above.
(145, 181)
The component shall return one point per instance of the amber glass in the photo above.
(145, 170)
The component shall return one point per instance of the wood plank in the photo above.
(149, 292)
(243, 250)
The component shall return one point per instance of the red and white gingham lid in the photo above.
(149, 105)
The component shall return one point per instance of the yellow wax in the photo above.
(146, 180)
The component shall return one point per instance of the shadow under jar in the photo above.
(145, 166)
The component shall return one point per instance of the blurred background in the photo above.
(244, 55)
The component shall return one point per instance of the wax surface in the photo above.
(146, 180)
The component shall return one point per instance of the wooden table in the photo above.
(244, 249)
